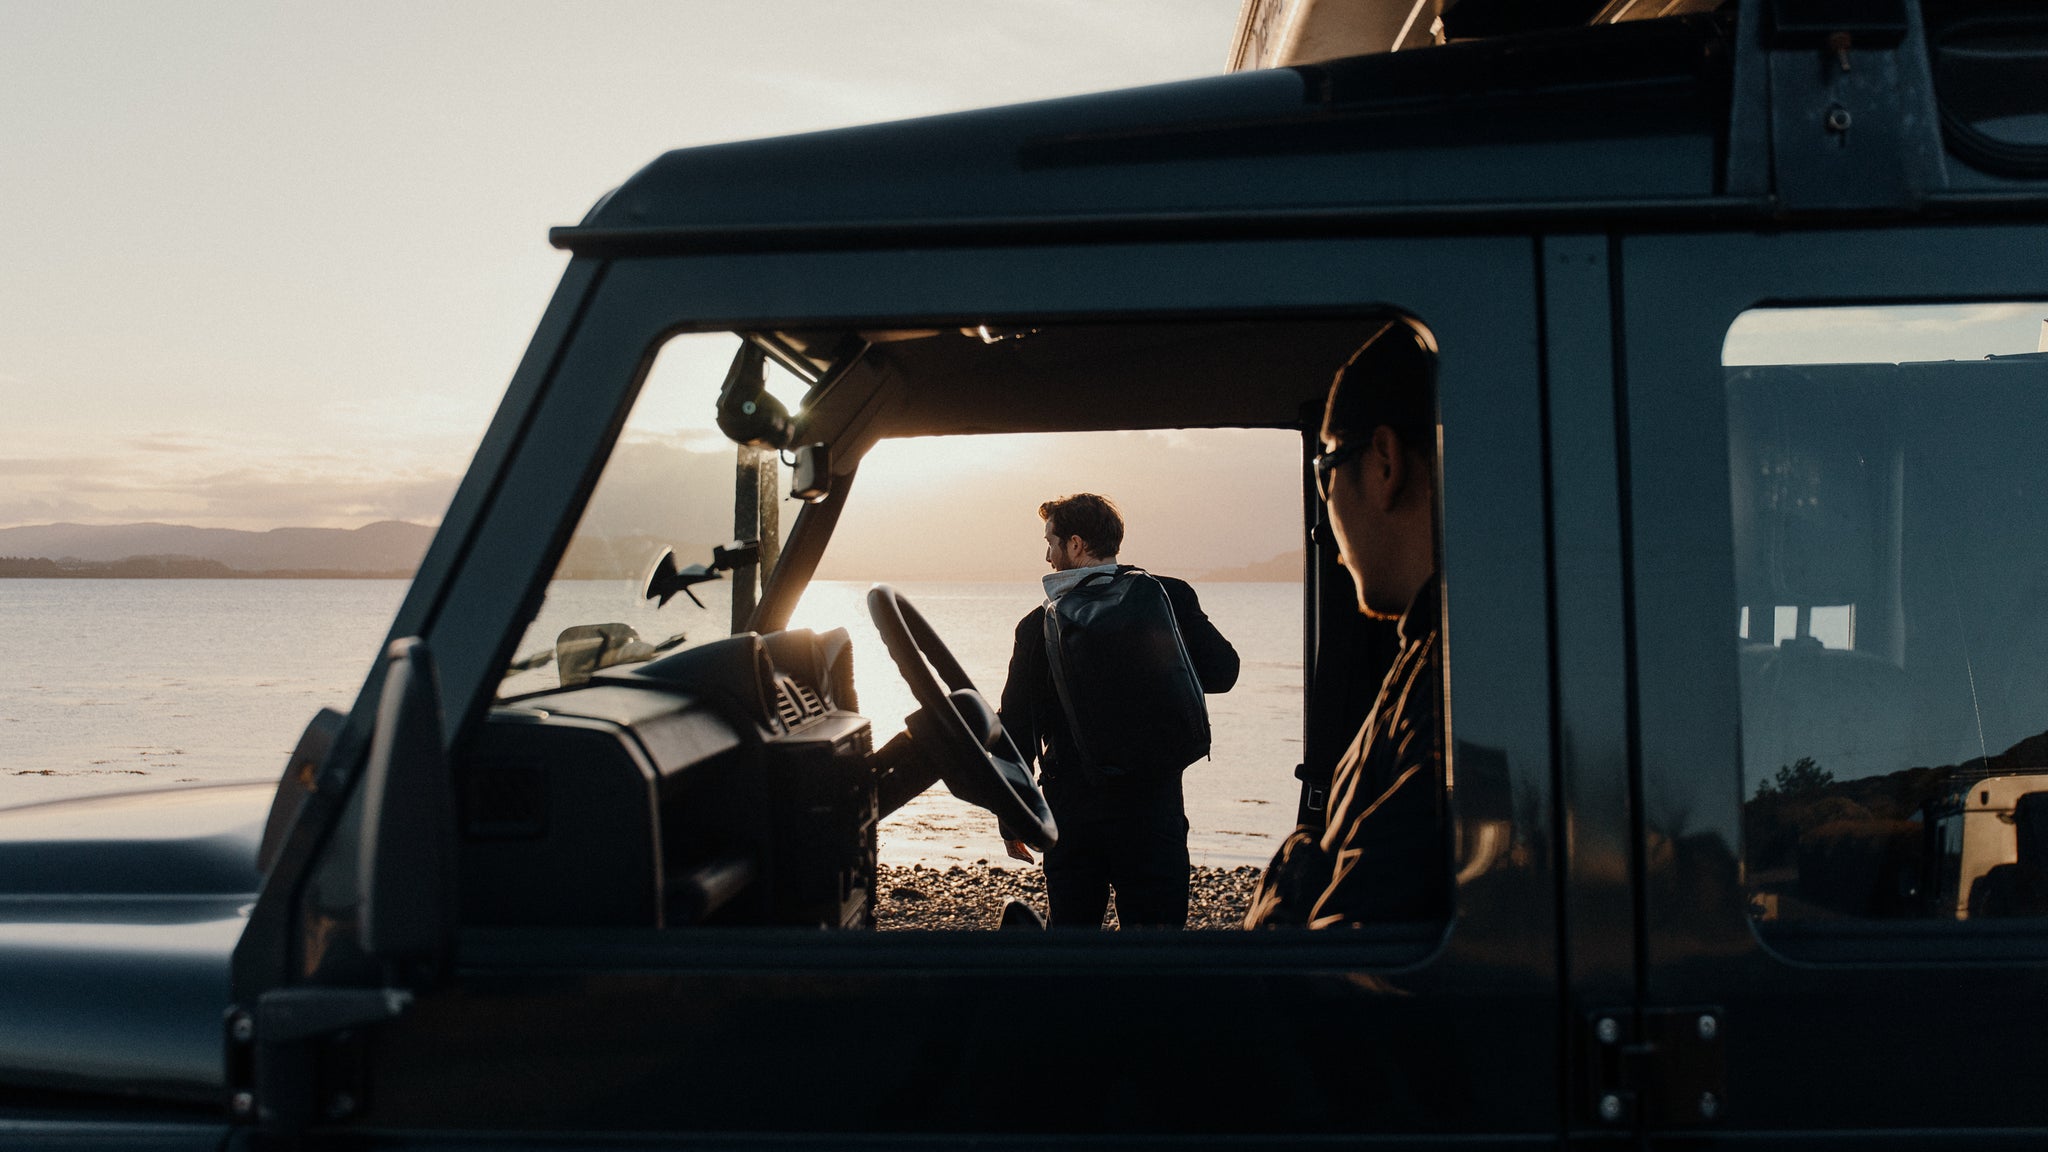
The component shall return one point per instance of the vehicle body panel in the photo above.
(1842, 1004)
(1577, 249)
(711, 1004)
(118, 915)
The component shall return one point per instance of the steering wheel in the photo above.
(977, 759)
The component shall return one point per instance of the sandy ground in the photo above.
(972, 897)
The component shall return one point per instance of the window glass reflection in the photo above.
(1890, 530)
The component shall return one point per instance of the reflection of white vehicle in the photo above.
(1283, 33)
(1973, 832)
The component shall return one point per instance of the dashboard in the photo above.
(731, 783)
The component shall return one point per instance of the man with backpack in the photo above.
(1105, 691)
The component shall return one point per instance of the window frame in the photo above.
(1813, 1003)
(1492, 972)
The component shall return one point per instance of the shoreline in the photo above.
(971, 897)
(229, 574)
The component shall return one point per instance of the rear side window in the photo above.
(1889, 509)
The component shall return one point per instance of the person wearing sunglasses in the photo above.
(1381, 856)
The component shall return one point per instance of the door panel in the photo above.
(1838, 1016)
(1590, 635)
(811, 1032)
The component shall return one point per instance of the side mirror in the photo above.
(299, 774)
(665, 579)
(405, 866)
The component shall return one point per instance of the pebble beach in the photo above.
(971, 898)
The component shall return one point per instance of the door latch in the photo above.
(1661, 1068)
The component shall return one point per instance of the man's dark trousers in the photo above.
(1131, 836)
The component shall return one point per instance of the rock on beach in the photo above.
(971, 899)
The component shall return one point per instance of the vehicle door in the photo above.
(1449, 1035)
(1834, 520)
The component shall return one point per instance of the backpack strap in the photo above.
(1059, 677)
(1052, 654)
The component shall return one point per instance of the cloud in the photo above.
(51, 465)
(936, 506)
(44, 511)
(165, 442)
(307, 497)
(422, 414)
(207, 486)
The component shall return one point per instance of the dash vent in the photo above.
(786, 706)
(812, 705)
(796, 703)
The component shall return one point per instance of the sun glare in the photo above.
(923, 463)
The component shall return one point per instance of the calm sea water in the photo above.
(130, 684)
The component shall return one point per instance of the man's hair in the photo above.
(1093, 518)
(1390, 380)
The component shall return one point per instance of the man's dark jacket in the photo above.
(1381, 856)
(1031, 709)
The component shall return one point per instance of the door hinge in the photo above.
(1659, 1068)
(297, 1058)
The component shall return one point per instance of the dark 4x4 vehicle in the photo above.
(1744, 552)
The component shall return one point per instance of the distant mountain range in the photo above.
(1282, 569)
(388, 546)
(394, 547)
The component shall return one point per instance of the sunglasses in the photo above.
(1327, 463)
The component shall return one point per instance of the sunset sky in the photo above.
(273, 264)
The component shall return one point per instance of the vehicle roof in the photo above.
(1488, 123)
(2000, 792)
(1687, 120)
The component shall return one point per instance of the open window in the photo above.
(701, 725)
(665, 879)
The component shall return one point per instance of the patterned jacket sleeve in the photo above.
(1389, 863)
(1390, 866)
(1383, 859)
(1296, 878)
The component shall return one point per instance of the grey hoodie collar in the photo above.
(1058, 584)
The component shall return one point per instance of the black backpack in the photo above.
(1132, 700)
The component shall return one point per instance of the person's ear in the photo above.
(1388, 466)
